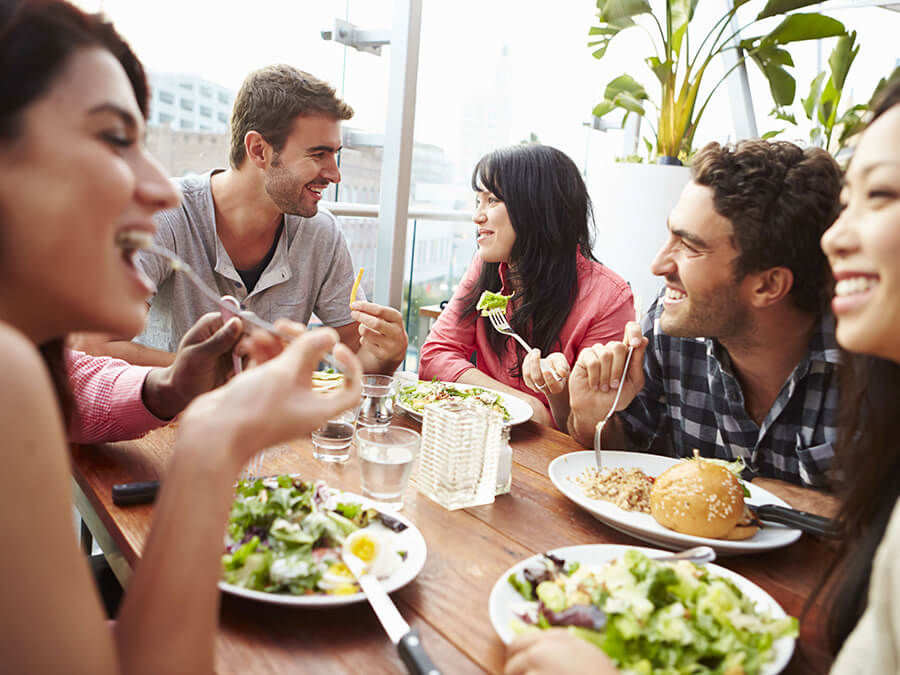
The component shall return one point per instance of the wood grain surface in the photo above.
(468, 550)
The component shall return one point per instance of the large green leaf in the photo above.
(797, 27)
(607, 32)
(776, 7)
(679, 14)
(842, 58)
(662, 69)
(629, 103)
(612, 11)
(694, 7)
(603, 108)
(815, 93)
(625, 84)
(768, 52)
(781, 85)
(828, 103)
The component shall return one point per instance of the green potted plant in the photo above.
(679, 66)
(832, 127)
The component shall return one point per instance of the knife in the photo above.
(809, 523)
(407, 640)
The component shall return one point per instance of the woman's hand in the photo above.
(547, 376)
(275, 402)
(555, 652)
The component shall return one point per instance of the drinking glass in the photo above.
(331, 441)
(377, 407)
(386, 457)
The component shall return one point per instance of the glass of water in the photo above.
(331, 441)
(386, 457)
(377, 406)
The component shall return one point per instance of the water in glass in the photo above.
(386, 458)
(377, 406)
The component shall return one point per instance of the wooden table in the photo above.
(468, 550)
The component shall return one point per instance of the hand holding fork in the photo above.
(632, 341)
(547, 375)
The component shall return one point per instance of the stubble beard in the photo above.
(717, 313)
(286, 194)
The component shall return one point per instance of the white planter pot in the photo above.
(631, 205)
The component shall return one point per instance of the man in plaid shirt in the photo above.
(738, 356)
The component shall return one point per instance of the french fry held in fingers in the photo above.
(356, 285)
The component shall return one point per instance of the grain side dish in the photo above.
(629, 489)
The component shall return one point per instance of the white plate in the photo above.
(566, 468)
(519, 410)
(504, 598)
(409, 540)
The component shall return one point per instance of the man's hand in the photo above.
(595, 380)
(203, 362)
(382, 337)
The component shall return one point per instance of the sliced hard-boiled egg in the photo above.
(375, 547)
(338, 580)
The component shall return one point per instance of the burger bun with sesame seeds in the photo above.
(700, 498)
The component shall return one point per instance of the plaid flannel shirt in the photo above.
(692, 399)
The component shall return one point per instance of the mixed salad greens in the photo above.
(489, 301)
(417, 396)
(652, 616)
(287, 536)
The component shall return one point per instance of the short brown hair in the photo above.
(780, 199)
(269, 101)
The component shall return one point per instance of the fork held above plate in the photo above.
(498, 320)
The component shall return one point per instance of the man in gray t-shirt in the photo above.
(254, 230)
(309, 269)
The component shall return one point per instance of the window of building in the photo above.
(187, 104)
(222, 117)
(166, 97)
(205, 111)
(224, 98)
(185, 124)
(186, 85)
(165, 118)
(206, 91)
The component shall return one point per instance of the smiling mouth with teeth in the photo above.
(854, 285)
(674, 294)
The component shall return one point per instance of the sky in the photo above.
(555, 80)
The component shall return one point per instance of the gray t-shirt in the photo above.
(311, 270)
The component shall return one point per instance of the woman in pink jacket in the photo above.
(533, 222)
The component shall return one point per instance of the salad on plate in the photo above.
(416, 396)
(651, 616)
(286, 536)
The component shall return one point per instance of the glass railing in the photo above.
(439, 247)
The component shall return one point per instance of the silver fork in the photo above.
(253, 467)
(497, 317)
(498, 320)
(598, 430)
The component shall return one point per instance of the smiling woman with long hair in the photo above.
(75, 179)
(863, 247)
(532, 219)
